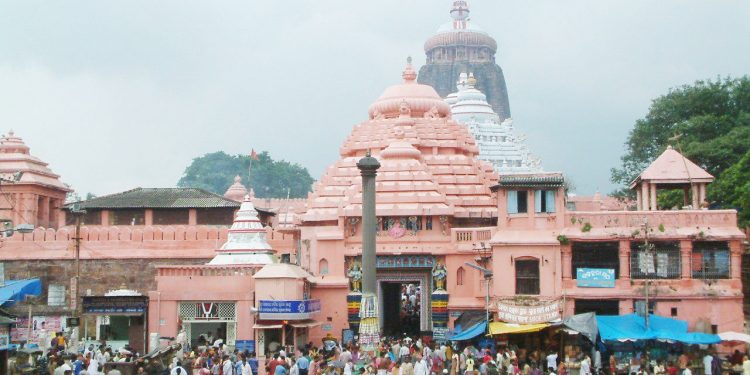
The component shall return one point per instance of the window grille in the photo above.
(596, 255)
(711, 260)
(527, 276)
(207, 311)
(662, 262)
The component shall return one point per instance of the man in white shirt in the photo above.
(586, 366)
(552, 361)
(246, 368)
(707, 361)
(421, 368)
(228, 366)
(178, 370)
(93, 368)
(404, 351)
(597, 360)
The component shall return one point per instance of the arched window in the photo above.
(460, 276)
(323, 267)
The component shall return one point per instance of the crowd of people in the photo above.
(404, 356)
(394, 356)
(410, 305)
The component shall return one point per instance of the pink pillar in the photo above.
(696, 202)
(638, 199)
(735, 249)
(43, 212)
(192, 216)
(652, 200)
(105, 218)
(148, 217)
(686, 253)
(701, 193)
(626, 306)
(530, 206)
(624, 259)
(644, 197)
(567, 262)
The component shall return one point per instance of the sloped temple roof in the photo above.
(159, 198)
(671, 167)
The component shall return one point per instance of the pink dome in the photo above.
(236, 191)
(409, 99)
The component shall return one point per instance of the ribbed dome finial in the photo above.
(409, 74)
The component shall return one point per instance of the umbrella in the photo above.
(734, 336)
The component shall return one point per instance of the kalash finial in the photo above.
(471, 81)
(409, 74)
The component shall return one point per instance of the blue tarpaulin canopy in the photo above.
(16, 290)
(632, 327)
(471, 332)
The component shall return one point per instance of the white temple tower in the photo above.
(498, 143)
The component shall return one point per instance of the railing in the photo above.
(138, 233)
(208, 270)
(635, 219)
(471, 235)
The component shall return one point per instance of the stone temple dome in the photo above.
(460, 31)
(246, 240)
(419, 99)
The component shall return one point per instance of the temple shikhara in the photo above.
(436, 221)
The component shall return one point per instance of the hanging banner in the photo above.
(542, 312)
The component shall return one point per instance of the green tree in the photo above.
(269, 178)
(709, 122)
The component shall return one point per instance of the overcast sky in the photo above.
(120, 94)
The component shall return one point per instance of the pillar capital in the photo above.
(368, 165)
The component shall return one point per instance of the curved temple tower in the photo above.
(460, 46)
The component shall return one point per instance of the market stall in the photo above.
(634, 344)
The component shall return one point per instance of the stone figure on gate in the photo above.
(355, 277)
(439, 274)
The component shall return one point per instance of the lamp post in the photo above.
(76, 210)
(487, 278)
(647, 247)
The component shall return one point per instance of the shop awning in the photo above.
(267, 326)
(500, 328)
(583, 323)
(16, 290)
(734, 337)
(471, 332)
(695, 338)
(632, 327)
(305, 324)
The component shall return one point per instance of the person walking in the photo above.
(421, 368)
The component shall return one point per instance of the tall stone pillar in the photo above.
(369, 326)
(686, 254)
(624, 252)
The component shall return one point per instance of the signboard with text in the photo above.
(541, 312)
(114, 305)
(595, 277)
(291, 310)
